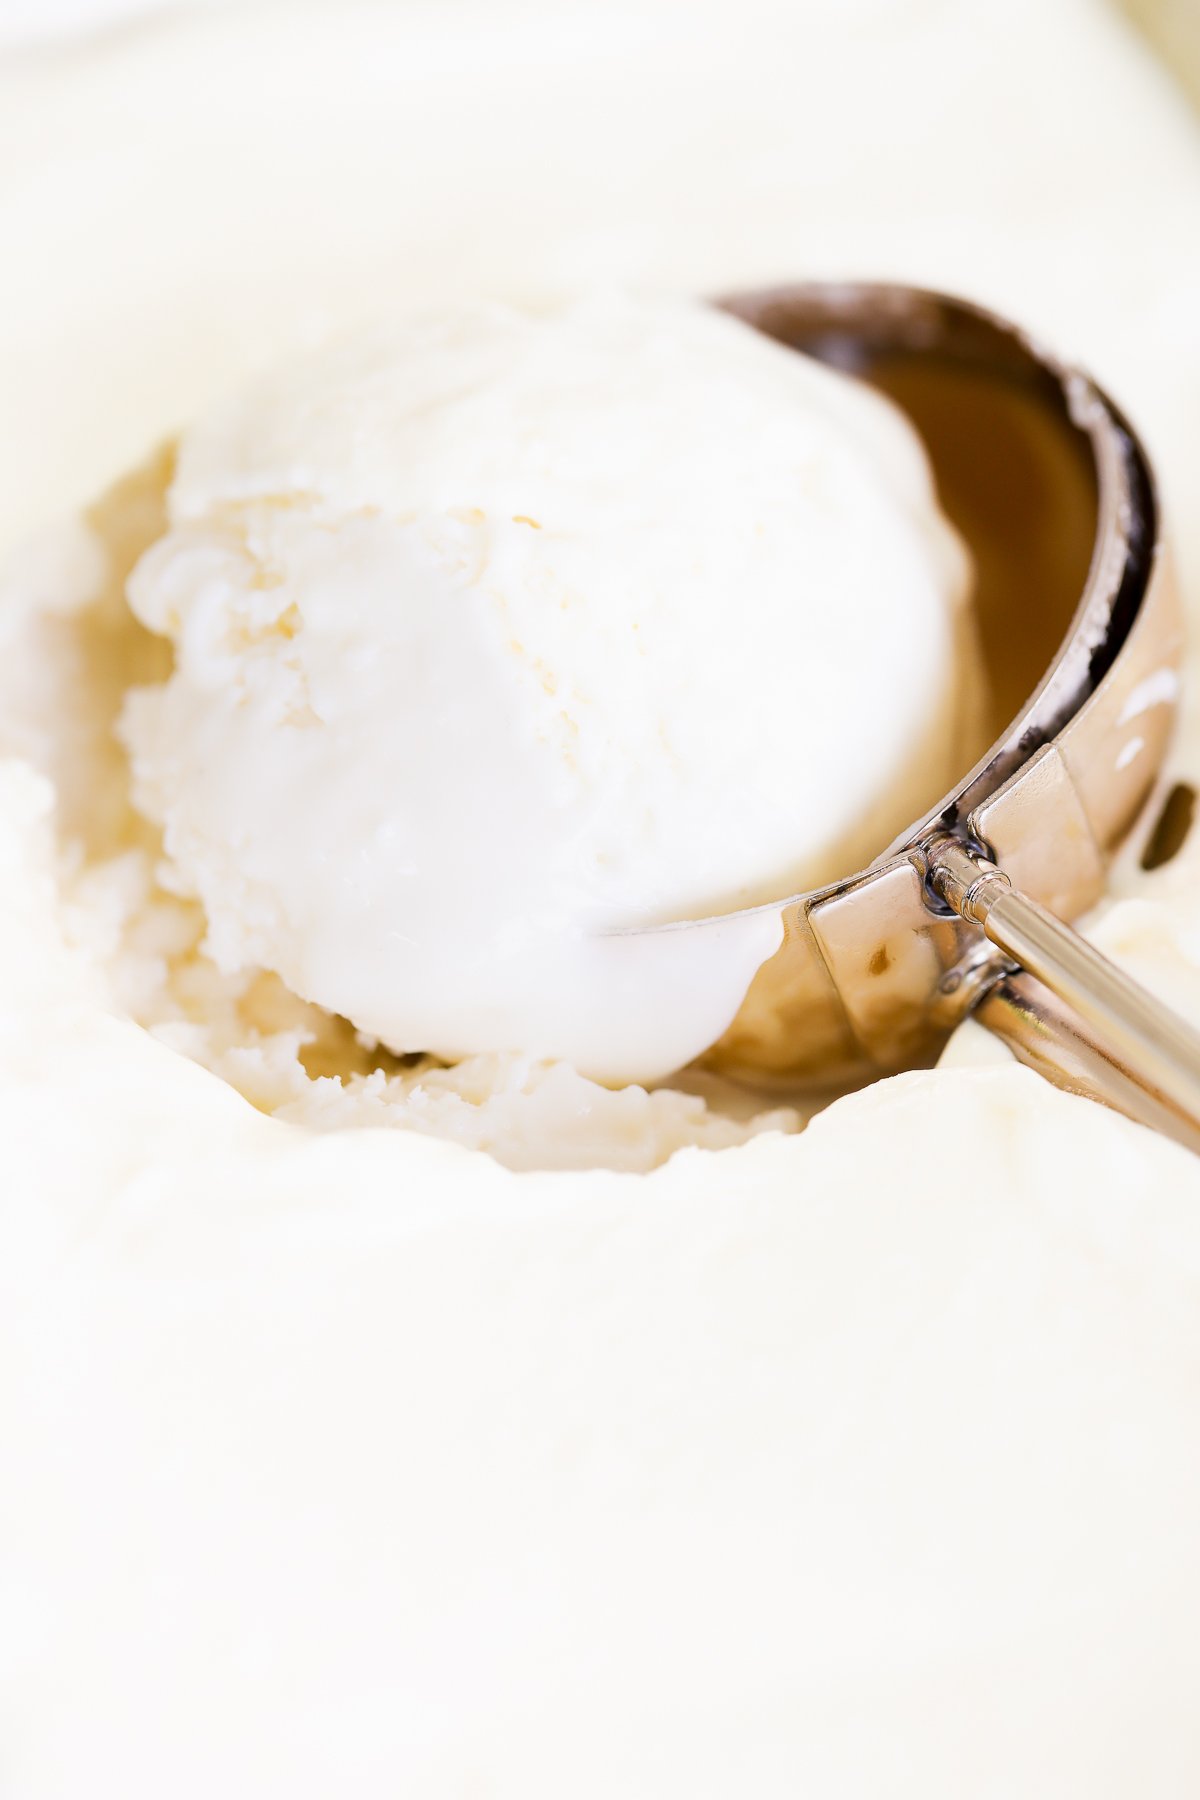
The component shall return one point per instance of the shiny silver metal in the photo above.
(1043, 1032)
(1081, 632)
(1134, 1031)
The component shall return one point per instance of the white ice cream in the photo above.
(500, 632)
(858, 1462)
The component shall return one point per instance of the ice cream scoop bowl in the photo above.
(1079, 617)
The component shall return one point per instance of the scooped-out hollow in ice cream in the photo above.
(498, 633)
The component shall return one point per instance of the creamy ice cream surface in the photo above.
(497, 634)
(858, 1460)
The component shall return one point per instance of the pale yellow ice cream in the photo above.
(497, 634)
(345, 1460)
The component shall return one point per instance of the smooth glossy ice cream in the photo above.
(500, 632)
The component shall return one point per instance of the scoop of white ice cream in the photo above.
(497, 633)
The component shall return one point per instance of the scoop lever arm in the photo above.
(1148, 1047)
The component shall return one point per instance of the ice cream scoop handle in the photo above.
(1147, 1046)
(1043, 1032)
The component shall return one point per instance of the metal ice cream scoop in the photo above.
(1081, 632)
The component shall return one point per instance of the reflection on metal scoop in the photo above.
(1081, 633)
